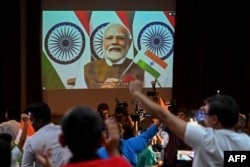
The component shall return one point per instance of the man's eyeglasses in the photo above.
(199, 114)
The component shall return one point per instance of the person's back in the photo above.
(84, 142)
(46, 135)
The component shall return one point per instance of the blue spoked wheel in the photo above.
(65, 43)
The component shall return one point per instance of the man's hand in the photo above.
(110, 83)
(135, 85)
(112, 144)
(25, 117)
(43, 156)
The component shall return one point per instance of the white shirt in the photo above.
(15, 155)
(47, 137)
(209, 144)
(165, 139)
(11, 127)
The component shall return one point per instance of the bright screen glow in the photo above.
(77, 55)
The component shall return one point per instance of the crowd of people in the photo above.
(93, 138)
(100, 141)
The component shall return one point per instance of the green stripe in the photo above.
(50, 78)
(148, 68)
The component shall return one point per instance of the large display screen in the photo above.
(83, 49)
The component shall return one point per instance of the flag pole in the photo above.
(124, 72)
(158, 82)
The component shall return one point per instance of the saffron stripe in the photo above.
(156, 59)
(148, 68)
(84, 19)
(171, 18)
(124, 18)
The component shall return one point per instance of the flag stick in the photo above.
(158, 83)
(124, 72)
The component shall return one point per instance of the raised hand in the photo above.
(112, 143)
(135, 85)
(43, 155)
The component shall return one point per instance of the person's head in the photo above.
(13, 113)
(7, 137)
(82, 131)
(5, 153)
(221, 111)
(116, 42)
(121, 109)
(153, 140)
(103, 110)
(183, 114)
(6, 142)
(40, 114)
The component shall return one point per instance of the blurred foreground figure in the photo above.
(221, 115)
(46, 134)
(83, 142)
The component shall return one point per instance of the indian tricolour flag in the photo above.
(65, 47)
(153, 31)
(30, 131)
(150, 62)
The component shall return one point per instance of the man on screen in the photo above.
(115, 70)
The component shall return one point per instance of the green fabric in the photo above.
(50, 78)
(20, 158)
(148, 68)
(146, 158)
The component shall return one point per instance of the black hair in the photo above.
(5, 153)
(40, 110)
(13, 113)
(101, 107)
(82, 128)
(157, 147)
(225, 108)
(183, 110)
(6, 137)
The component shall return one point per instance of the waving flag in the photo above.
(153, 31)
(30, 131)
(65, 47)
(150, 63)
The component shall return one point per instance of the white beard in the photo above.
(114, 56)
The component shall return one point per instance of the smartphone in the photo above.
(198, 115)
(185, 155)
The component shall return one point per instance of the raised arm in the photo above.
(175, 124)
(112, 143)
(25, 119)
